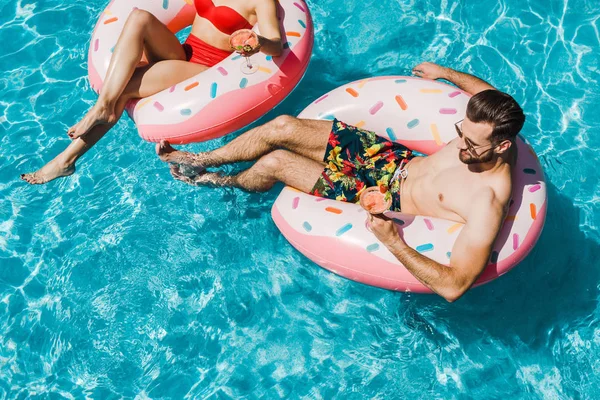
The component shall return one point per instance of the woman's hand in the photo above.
(246, 42)
(429, 70)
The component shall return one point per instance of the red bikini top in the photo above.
(224, 18)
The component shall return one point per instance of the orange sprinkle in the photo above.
(263, 69)
(293, 189)
(454, 227)
(191, 86)
(401, 102)
(143, 103)
(352, 92)
(333, 210)
(436, 134)
(362, 83)
(190, 2)
(359, 124)
(111, 20)
(431, 91)
(533, 210)
(511, 218)
(296, 34)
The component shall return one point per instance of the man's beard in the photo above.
(467, 158)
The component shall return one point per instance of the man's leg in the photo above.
(304, 137)
(280, 165)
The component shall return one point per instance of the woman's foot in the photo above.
(48, 172)
(98, 114)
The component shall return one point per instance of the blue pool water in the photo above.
(119, 282)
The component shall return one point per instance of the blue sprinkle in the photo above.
(400, 81)
(372, 247)
(343, 229)
(413, 123)
(165, 4)
(236, 57)
(243, 83)
(398, 221)
(287, 45)
(529, 171)
(424, 247)
(112, 49)
(391, 134)
(494, 257)
(302, 24)
(213, 90)
(448, 254)
(306, 226)
(268, 58)
(186, 111)
(329, 117)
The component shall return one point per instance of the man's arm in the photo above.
(470, 253)
(469, 83)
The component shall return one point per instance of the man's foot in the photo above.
(48, 172)
(183, 175)
(98, 114)
(168, 154)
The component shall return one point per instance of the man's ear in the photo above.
(503, 147)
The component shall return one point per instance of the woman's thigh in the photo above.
(151, 79)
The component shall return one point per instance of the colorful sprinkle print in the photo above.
(222, 71)
(165, 4)
(424, 248)
(391, 134)
(532, 210)
(372, 247)
(213, 90)
(307, 227)
(96, 44)
(295, 202)
(333, 210)
(159, 106)
(343, 230)
(111, 20)
(401, 102)
(360, 124)
(448, 111)
(300, 7)
(436, 134)
(448, 254)
(400, 81)
(191, 86)
(376, 107)
(352, 92)
(428, 224)
(172, 88)
(454, 228)
(431, 91)
(515, 241)
(413, 123)
(302, 24)
(321, 99)
(535, 188)
(186, 111)
(454, 94)
(243, 83)
(293, 34)
(265, 70)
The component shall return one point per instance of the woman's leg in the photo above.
(145, 82)
(143, 33)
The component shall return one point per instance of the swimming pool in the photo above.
(118, 281)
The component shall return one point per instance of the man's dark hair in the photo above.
(498, 109)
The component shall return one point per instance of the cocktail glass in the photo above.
(245, 41)
(374, 201)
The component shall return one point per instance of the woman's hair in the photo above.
(498, 109)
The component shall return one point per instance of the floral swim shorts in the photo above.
(356, 159)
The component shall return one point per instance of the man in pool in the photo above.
(468, 181)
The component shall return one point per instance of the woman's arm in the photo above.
(270, 37)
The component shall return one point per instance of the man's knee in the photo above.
(273, 163)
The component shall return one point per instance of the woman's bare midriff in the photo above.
(204, 30)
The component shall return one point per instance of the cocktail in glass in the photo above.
(245, 42)
(375, 200)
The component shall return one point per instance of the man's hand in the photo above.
(384, 229)
(429, 70)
